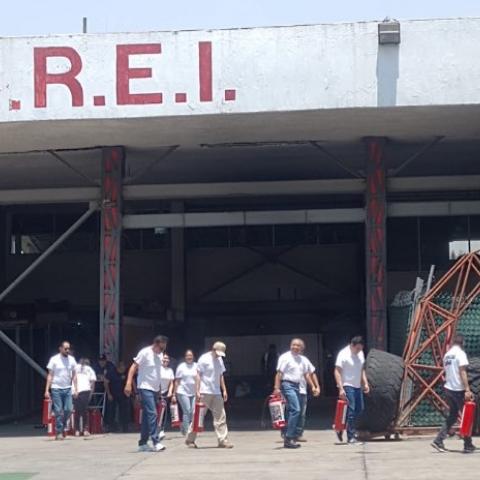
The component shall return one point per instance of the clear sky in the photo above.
(30, 17)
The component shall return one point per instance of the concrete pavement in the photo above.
(257, 455)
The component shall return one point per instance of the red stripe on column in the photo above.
(205, 71)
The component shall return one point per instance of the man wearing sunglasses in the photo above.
(147, 365)
(61, 376)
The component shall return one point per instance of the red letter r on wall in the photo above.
(42, 78)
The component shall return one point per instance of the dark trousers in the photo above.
(120, 405)
(455, 402)
(81, 411)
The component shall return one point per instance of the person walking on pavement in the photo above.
(185, 388)
(291, 369)
(304, 396)
(86, 379)
(457, 391)
(351, 377)
(211, 388)
(147, 364)
(167, 388)
(61, 376)
(115, 382)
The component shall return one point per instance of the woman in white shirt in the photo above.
(185, 388)
(167, 385)
(85, 385)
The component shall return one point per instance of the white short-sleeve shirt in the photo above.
(452, 361)
(186, 375)
(210, 369)
(62, 369)
(303, 381)
(166, 376)
(352, 366)
(85, 377)
(292, 367)
(149, 365)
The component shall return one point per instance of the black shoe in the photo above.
(439, 446)
(339, 436)
(289, 443)
(469, 448)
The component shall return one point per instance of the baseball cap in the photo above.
(219, 348)
(102, 357)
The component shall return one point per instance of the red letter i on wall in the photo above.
(205, 71)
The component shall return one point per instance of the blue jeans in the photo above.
(355, 407)
(186, 404)
(291, 393)
(149, 426)
(303, 415)
(62, 405)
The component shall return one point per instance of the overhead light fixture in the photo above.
(389, 32)
(286, 143)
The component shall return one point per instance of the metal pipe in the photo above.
(22, 354)
(49, 251)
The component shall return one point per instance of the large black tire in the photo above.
(385, 375)
(474, 381)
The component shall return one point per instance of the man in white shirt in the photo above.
(61, 376)
(457, 391)
(351, 377)
(148, 365)
(304, 395)
(211, 388)
(291, 370)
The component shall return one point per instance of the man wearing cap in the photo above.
(148, 364)
(210, 387)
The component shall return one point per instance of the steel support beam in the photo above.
(184, 191)
(30, 269)
(110, 250)
(178, 266)
(376, 251)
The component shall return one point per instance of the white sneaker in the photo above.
(144, 448)
(158, 447)
(161, 435)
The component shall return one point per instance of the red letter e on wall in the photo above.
(43, 78)
(125, 74)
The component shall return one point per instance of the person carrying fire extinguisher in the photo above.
(350, 376)
(291, 369)
(167, 385)
(211, 389)
(457, 391)
(148, 363)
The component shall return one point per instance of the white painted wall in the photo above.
(272, 69)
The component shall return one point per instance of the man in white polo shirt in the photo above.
(351, 377)
(60, 379)
(291, 370)
(148, 364)
(457, 391)
(211, 388)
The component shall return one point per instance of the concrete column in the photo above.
(110, 251)
(376, 245)
(178, 274)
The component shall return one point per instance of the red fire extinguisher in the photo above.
(340, 420)
(95, 421)
(199, 413)
(175, 415)
(276, 405)
(161, 410)
(46, 411)
(51, 426)
(137, 412)
(468, 418)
